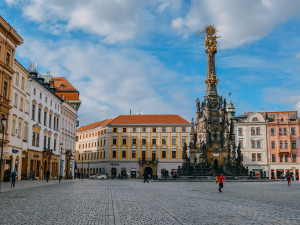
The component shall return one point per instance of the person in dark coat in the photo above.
(13, 175)
(47, 175)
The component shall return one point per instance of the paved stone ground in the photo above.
(135, 202)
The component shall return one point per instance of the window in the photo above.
(280, 144)
(33, 138)
(13, 127)
(163, 141)
(163, 154)
(133, 154)
(143, 141)
(49, 142)
(37, 143)
(257, 130)
(273, 144)
(123, 154)
(134, 130)
(154, 141)
(19, 129)
(50, 120)
(34, 91)
(114, 155)
(16, 100)
(258, 156)
(39, 115)
(293, 131)
(40, 95)
(144, 129)
(45, 141)
(272, 131)
(286, 157)
(294, 157)
(173, 154)
(183, 130)
(51, 103)
(22, 83)
(252, 131)
(280, 131)
(285, 144)
(281, 120)
(5, 89)
(134, 141)
(154, 129)
(252, 144)
(183, 140)
(21, 104)
(258, 144)
(284, 131)
(33, 112)
(7, 59)
(253, 156)
(57, 123)
(273, 158)
(164, 130)
(241, 143)
(281, 158)
(240, 131)
(46, 99)
(173, 141)
(124, 141)
(114, 141)
(254, 119)
(45, 118)
(124, 130)
(293, 143)
(54, 123)
(54, 147)
(115, 129)
(173, 129)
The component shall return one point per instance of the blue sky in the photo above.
(145, 56)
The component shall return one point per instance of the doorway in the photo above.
(113, 172)
(148, 172)
(216, 164)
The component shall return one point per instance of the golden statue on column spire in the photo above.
(210, 39)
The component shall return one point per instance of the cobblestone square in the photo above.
(135, 202)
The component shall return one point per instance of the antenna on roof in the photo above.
(139, 112)
(130, 112)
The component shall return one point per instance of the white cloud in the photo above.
(110, 81)
(238, 21)
(298, 55)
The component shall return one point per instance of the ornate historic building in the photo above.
(132, 145)
(212, 146)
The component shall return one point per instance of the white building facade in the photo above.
(251, 135)
(68, 139)
(17, 122)
(43, 152)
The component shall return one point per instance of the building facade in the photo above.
(9, 40)
(251, 136)
(43, 150)
(132, 145)
(283, 144)
(16, 121)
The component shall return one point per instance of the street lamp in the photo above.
(3, 123)
(60, 169)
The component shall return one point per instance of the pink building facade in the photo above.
(283, 138)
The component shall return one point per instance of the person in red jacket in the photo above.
(289, 178)
(221, 179)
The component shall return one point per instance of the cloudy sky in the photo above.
(144, 56)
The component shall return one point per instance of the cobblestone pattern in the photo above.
(135, 202)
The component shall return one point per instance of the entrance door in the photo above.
(133, 174)
(38, 169)
(148, 171)
(113, 172)
(216, 166)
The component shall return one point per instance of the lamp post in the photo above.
(60, 169)
(3, 123)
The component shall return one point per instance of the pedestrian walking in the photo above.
(13, 175)
(221, 180)
(146, 178)
(289, 178)
(47, 175)
(216, 179)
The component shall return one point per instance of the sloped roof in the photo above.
(136, 119)
(71, 96)
(61, 84)
(149, 119)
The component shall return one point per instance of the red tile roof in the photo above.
(71, 96)
(136, 119)
(148, 119)
(61, 84)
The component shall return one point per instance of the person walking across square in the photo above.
(221, 179)
(13, 175)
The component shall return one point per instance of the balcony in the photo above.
(285, 150)
(147, 160)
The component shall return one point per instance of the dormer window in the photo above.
(254, 119)
(62, 85)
